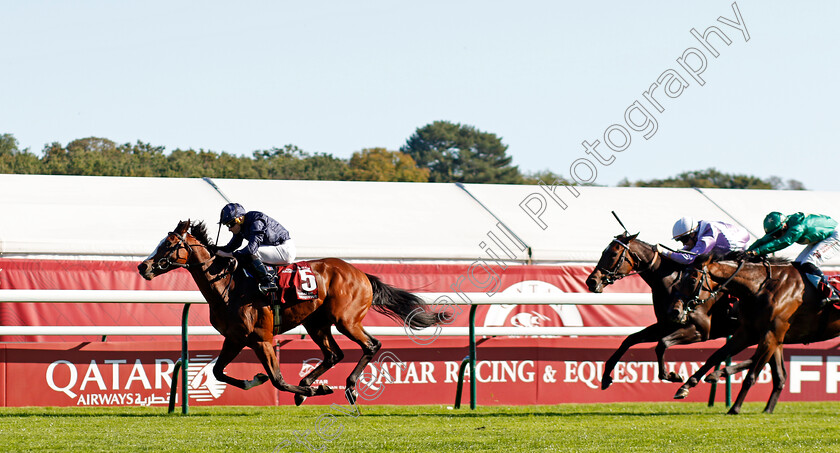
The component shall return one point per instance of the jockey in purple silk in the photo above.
(705, 237)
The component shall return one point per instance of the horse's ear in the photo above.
(182, 227)
(632, 236)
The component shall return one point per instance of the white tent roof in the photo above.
(127, 217)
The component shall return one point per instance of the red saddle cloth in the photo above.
(835, 282)
(296, 280)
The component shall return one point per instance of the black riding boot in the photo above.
(265, 283)
(814, 275)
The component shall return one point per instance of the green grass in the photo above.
(642, 427)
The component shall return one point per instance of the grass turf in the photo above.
(642, 427)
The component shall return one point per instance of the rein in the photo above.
(695, 301)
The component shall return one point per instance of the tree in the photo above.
(712, 178)
(460, 153)
(15, 160)
(379, 164)
(547, 177)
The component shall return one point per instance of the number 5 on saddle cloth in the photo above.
(295, 282)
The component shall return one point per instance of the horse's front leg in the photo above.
(777, 367)
(733, 346)
(766, 349)
(683, 335)
(265, 352)
(727, 371)
(648, 334)
(322, 336)
(230, 349)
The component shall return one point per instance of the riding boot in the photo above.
(814, 275)
(266, 283)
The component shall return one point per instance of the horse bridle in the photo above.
(165, 263)
(612, 275)
(713, 293)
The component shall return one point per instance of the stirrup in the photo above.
(267, 287)
(829, 301)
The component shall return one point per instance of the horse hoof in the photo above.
(681, 393)
(351, 396)
(606, 381)
(324, 389)
(299, 399)
(674, 377)
(259, 379)
(712, 378)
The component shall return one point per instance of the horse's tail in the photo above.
(401, 305)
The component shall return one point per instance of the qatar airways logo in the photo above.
(118, 382)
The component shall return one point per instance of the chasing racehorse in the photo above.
(777, 306)
(245, 317)
(626, 255)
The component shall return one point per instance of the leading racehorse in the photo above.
(245, 318)
(777, 306)
(626, 255)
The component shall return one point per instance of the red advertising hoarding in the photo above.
(510, 371)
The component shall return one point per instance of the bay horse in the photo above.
(627, 255)
(244, 316)
(777, 306)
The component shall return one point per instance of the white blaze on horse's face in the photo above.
(155, 251)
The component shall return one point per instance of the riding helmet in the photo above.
(684, 226)
(774, 222)
(230, 212)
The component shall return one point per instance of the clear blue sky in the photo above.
(336, 77)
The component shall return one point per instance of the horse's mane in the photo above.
(199, 231)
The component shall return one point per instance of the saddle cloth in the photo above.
(297, 276)
(295, 282)
(834, 280)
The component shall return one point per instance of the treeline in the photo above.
(438, 152)
(712, 178)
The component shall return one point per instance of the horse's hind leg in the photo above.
(369, 347)
(230, 350)
(322, 336)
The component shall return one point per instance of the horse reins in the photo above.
(695, 301)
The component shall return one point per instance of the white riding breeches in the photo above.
(824, 250)
(284, 253)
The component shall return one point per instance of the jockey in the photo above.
(820, 235)
(704, 237)
(268, 242)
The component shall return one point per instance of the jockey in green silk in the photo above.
(820, 235)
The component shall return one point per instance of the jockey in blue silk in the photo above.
(268, 242)
(705, 237)
(817, 232)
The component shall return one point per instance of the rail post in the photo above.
(185, 361)
(473, 378)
